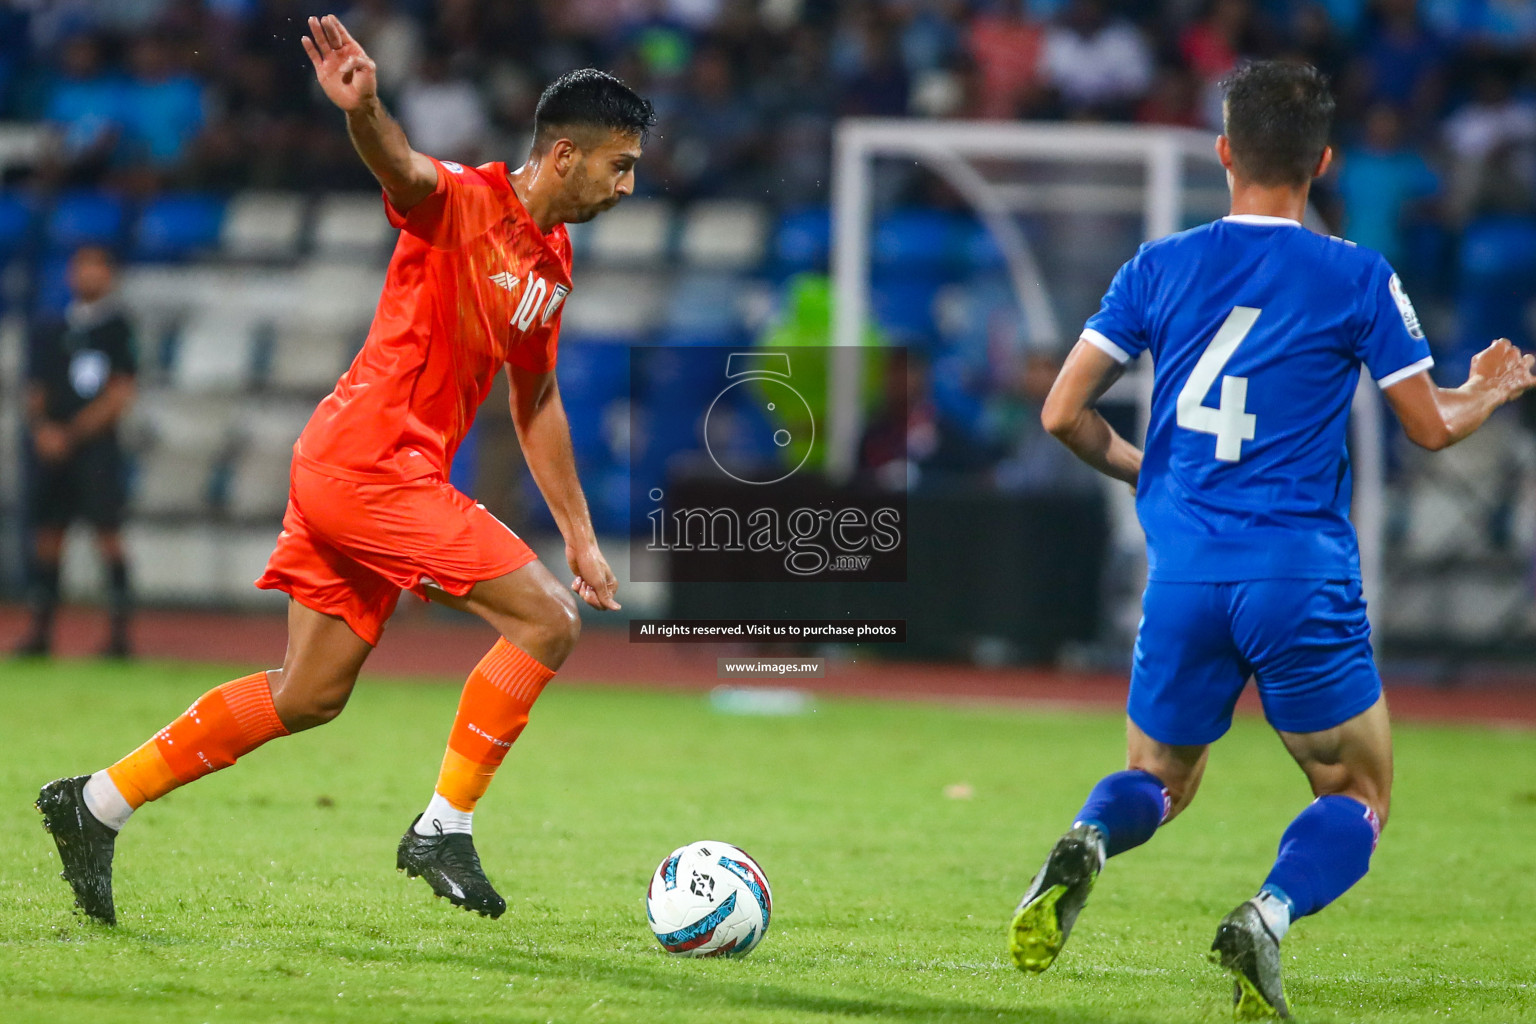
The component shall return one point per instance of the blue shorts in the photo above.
(1307, 643)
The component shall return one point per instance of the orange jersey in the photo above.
(473, 284)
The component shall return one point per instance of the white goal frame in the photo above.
(946, 148)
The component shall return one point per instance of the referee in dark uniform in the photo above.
(80, 382)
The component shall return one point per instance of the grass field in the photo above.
(268, 892)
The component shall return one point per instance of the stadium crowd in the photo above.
(217, 94)
(1436, 133)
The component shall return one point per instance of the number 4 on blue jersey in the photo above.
(1257, 329)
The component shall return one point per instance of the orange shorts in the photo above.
(349, 548)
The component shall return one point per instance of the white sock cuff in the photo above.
(442, 817)
(1275, 912)
(106, 802)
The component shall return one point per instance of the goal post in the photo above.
(1162, 179)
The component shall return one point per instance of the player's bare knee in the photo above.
(312, 711)
(547, 629)
(1179, 769)
(561, 623)
(1373, 793)
(302, 703)
(1377, 799)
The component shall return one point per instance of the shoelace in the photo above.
(460, 853)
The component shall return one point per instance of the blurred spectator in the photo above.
(80, 382)
(1345, 16)
(257, 137)
(1317, 39)
(867, 58)
(1098, 66)
(442, 113)
(84, 115)
(1380, 181)
(930, 34)
(1494, 24)
(1496, 124)
(1006, 50)
(1401, 62)
(391, 38)
(798, 101)
(1211, 47)
(13, 50)
(713, 136)
(909, 443)
(1174, 99)
(1496, 278)
(164, 106)
(1034, 461)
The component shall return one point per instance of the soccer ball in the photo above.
(709, 899)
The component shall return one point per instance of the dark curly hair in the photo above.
(1278, 116)
(589, 98)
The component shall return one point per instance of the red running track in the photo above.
(420, 644)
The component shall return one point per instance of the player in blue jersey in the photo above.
(1257, 328)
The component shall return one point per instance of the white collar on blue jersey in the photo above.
(1259, 218)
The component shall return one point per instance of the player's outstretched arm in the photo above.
(347, 75)
(1070, 416)
(1435, 417)
(545, 435)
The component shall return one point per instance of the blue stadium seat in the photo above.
(86, 218)
(52, 291)
(678, 375)
(703, 306)
(606, 484)
(803, 240)
(956, 392)
(978, 250)
(1496, 283)
(979, 310)
(174, 227)
(668, 430)
(912, 241)
(594, 377)
(15, 225)
(465, 471)
(903, 303)
(608, 494)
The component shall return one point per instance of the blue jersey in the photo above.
(1257, 329)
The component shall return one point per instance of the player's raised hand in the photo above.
(1505, 368)
(345, 72)
(594, 582)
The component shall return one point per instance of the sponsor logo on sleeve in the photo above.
(1405, 307)
(455, 168)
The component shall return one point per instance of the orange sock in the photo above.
(222, 725)
(492, 712)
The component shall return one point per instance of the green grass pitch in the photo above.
(268, 892)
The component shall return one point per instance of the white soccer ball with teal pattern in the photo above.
(709, 899)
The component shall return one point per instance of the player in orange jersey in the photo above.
(477, 283)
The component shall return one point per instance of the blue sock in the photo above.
(1127, 807)
(1325, 850)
